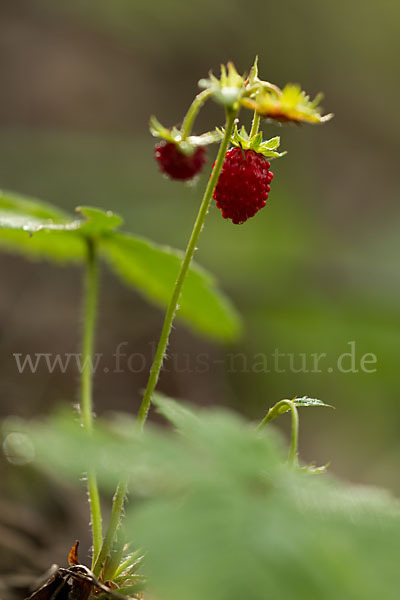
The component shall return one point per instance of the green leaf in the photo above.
(175, 412)
(26, 228)
(306, 401)
(219, 512)
(283, 406)
(18, 212)
(98, 222)
(40, 230)
(21, 212)
(153, 270)
(117, 449)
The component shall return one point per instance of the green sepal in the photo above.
(291, 104)
(158, 130)
(242, 140)
(228, 89)
(253, 75)
(174, 135)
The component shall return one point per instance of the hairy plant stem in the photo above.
(191, 247)
(193, 112)
(255, 124)
(279, 408)
(86, 404)
(118, 500)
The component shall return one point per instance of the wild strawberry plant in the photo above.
(217, 509)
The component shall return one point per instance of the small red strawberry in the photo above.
(243, 185)
(178, 165)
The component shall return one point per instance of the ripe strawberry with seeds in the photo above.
(177, 164)
(244, 184)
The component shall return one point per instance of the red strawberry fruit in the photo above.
(243, 185)
(178, 165)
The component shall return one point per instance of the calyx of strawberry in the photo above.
(267, 148)
(187, 145)
(291, 104)
(228, 89)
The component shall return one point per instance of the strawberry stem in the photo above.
(193, 111)
(119, 496)
(86, 404)
(191, 247)
(255, 125)
(279, 408)
(115, 518)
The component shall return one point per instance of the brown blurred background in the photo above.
(314, 271)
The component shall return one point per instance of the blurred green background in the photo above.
(315, 270)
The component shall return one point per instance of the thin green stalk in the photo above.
(295, 436)
(95, 510)
(118, 500)
(193, 111)
(86, 405)
(172, 306)
(255, 124)
(116, 511)
(278, 409)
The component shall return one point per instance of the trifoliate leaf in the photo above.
(177, 413)
(220, 511)
(38, 230)
(28, 214)
(153, 269)
(22, 213)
